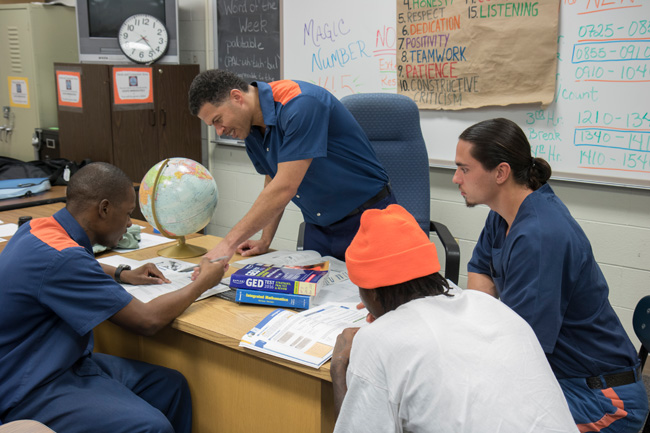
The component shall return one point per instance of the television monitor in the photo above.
(99, 21)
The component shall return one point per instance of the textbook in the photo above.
(307, 337)
(274, 299)
(337, 286)
(297, 280)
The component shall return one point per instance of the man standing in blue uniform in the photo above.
(536, 258)
(311, 150)
(54, 293)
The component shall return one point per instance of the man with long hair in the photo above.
(535, 257)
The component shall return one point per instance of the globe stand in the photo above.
(182, 250)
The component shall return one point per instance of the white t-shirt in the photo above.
(461, 364)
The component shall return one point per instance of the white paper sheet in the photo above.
(282, 258)
(147, 292)
(307, 337)
(8, 229)
(146, 240)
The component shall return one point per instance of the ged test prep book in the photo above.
(298, 280)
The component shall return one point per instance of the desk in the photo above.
(56, 194)
(11, 216)
(233, 389)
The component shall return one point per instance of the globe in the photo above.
(178, 197)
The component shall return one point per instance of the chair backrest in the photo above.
(392, 124)
(641, 325)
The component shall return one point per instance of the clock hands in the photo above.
(138, 41)
(144, 38)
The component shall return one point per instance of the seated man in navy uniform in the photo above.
(534, 256)
(54, 293)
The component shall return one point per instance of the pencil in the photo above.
(191, 268)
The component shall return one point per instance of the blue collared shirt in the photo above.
(304, 121)
(545, 270)
(53, 293)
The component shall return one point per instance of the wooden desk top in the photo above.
(224, 322)
(212, 319)
(42, 211)
(11, 216)
(56, 194)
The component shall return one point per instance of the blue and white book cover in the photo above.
(297, 280)
(274, 299)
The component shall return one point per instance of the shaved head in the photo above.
(95, 182)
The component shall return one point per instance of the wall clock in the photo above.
(143, 38)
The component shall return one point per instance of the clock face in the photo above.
(143, 38)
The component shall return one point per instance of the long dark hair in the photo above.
(501, 140)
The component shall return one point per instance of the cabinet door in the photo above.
(135, 128)
(135, 141)
(143, 137)
(87, 133)
(179, 133)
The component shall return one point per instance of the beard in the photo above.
(469, 203)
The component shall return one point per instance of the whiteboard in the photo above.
(596, 130)
(345, 46)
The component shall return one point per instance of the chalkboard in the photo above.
(248, 38)
(597, 129)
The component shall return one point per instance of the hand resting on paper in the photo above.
(145, 274)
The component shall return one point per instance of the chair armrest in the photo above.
(452, 250)
(300, 243)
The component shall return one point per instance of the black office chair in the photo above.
(392, 124)
(641, 325)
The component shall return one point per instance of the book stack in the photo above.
(280, 286)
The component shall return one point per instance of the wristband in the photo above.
(118, 272)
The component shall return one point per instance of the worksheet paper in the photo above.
(8, 229)
(307, 337)
(169, 267)
(146, 240)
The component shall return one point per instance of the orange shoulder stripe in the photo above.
(284, 90)
(50, 231)
(607, 419)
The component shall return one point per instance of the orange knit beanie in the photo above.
(389, 248)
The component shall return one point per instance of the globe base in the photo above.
(182, 250)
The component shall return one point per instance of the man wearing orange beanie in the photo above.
(436, 358)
